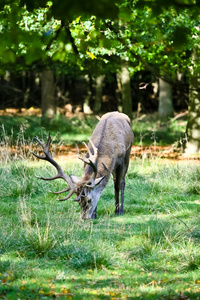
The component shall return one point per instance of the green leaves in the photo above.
(108, 43)
(180, 36)
(72, 9)
(150, 34)
(125, 14)
(8, 56)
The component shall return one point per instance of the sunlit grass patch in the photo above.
(93, 256)
(185, 256)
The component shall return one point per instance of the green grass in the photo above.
(151, 131)
(48, 252)
(72, 130)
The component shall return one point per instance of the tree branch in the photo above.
(74, 47)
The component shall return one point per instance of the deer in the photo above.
(108, 152)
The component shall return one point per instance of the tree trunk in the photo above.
(193, 126)
(165, 105)
(119, 92)
(48, 97)
(86, 104)
(99, 91)
(126, 90)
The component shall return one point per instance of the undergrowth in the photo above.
(148, 130)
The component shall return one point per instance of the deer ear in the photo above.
(98, 180)
(74, 179)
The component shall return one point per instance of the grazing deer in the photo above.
(108, 153)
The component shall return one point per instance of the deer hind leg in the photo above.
(116, 196)
(119, 184)
(121, 211)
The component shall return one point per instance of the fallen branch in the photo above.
(179, 116)
(143, 85)
(190, 230)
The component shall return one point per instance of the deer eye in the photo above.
(89, 200)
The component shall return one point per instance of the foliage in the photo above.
(97, 37)
(152, 252)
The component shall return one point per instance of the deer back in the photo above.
(113, 138)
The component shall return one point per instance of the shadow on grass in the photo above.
(159, 137)
(55, 282)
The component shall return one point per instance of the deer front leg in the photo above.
(116, 198)
(117, 188)
(122, 197)
(94, 214)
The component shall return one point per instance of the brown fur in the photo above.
(113, 137)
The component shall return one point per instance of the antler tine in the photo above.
(76, 200)
(95, 149)
(68, 196)
(60, 192)
(92, 159)
(72, 187)
(48, 178)
(45, 148)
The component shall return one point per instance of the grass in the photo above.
(72, 130)
(151, 131)
(48, 252)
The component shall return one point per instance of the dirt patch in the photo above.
(32, 111)
(165, 152)
(21, 112)
(64, 152)
(161, 151)
(136, 151)
(71, 152)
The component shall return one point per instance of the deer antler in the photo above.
(92, 159)
(72, 187)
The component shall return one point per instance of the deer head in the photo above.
(85, 188)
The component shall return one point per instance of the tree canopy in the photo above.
(99, 37)
(95, 37)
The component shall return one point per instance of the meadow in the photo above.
(48, 252)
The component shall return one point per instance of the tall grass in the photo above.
(47, 251)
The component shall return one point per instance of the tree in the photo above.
(193, 126)
(86, 103)
(149, 35)
(126, 90)
(165, 105)
(48, 94)
(98, 95)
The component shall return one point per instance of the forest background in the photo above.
(70, 62)
(129, 55)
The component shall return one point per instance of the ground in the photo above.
(48, 252)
